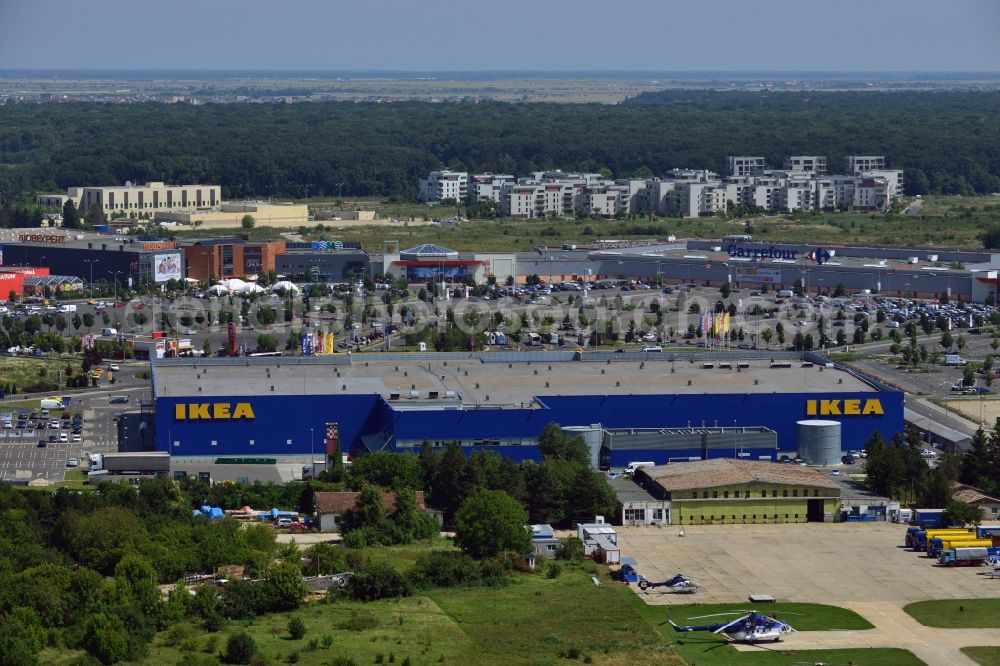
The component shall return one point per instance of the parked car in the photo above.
(72, 462)
(847, 460)
(42, 443)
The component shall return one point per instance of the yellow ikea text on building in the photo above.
(868, 407)
(213, 411)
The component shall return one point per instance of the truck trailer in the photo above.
(938, 545)
(957, 557)
(922, 537)
(927, 517)
(136, 463)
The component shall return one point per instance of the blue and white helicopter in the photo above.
(749, 627)
(679, 583)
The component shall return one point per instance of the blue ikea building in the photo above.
(292, 407)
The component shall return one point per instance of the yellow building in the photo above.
(724, 491)
(230, 215)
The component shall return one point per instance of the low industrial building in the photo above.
(323, 261)
(729, 491)
(221, 258)
(331, 507)
(230, 214)
(500, 402)
(430, 262)
(638, 505)
(137, 199)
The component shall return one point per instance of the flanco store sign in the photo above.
(867, 407)
(213, 411)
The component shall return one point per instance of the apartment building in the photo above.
(812, 164)
(858, 165)
(744, 166)
(487, 186)
(441, 185)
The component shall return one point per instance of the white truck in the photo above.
(51, 403)
(634, 465)
(954, 359)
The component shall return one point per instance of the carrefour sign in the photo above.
(761, 253)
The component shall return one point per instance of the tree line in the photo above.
(943, 140)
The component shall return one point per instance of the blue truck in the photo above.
(928, 518)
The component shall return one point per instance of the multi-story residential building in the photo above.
(801, 185)
(487, 186)
(744, 166)
(858, 165)
(135, 199)
(441, 185)
(814, 164)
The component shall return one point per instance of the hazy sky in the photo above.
(657, 35)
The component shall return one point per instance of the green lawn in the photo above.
(974, 613)
(944, 221)
(705, 649)
(985, 656)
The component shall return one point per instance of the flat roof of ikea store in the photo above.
(490, 378)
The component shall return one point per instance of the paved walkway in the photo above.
(894, 629)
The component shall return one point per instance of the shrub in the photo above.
(570, 549)
(313, 645)
(553, 569)
(361, 620)
(293, 658)
(342, 661)
(445, 569)
(378, 581)
(327, 641)
(296, 628)
(240, 649)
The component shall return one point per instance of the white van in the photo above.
(652, 349)
(109, 331)
(51, 403)
(786, 293)
(632, 466)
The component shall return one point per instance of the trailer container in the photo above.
(927, 517)
(921, 538)
(937, 545)
(136, 463)
(971, 557)
(984, 531)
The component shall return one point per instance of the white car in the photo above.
(927, 453)
(54, 425)
(114, 367)
(63, 437)
(77, 438)
(72, 462)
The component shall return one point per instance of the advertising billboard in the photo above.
(167, 267)
(769, 275)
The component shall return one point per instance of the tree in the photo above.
(392, 471)
(962, 513)
(206, 348)
(296, 628)
(241, 648)
(247, 222)
(491, 522)
(104, 637)
(766, 335)
(71, 216)
(284, 588)
(267, 343)
(991, 238)
(555, 444)
(88, 320)
(96, 214)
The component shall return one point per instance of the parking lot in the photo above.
(820, 563)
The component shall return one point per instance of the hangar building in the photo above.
(290, 407)
(726, 491)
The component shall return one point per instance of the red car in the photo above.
(298, 527)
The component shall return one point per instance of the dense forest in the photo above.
(948, 142)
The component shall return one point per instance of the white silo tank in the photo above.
(819, 441)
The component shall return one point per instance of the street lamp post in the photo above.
(115, 275)
(91, 262)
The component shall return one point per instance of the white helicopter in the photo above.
(749, 627)
(679, 583)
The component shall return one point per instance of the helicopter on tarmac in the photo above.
(679, 583)
(750, 627)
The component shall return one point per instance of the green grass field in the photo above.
(985, 656)
(705, 649)
(942, 222)
(977, 613)
(25, 371)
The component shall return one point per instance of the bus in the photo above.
(738, 238)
